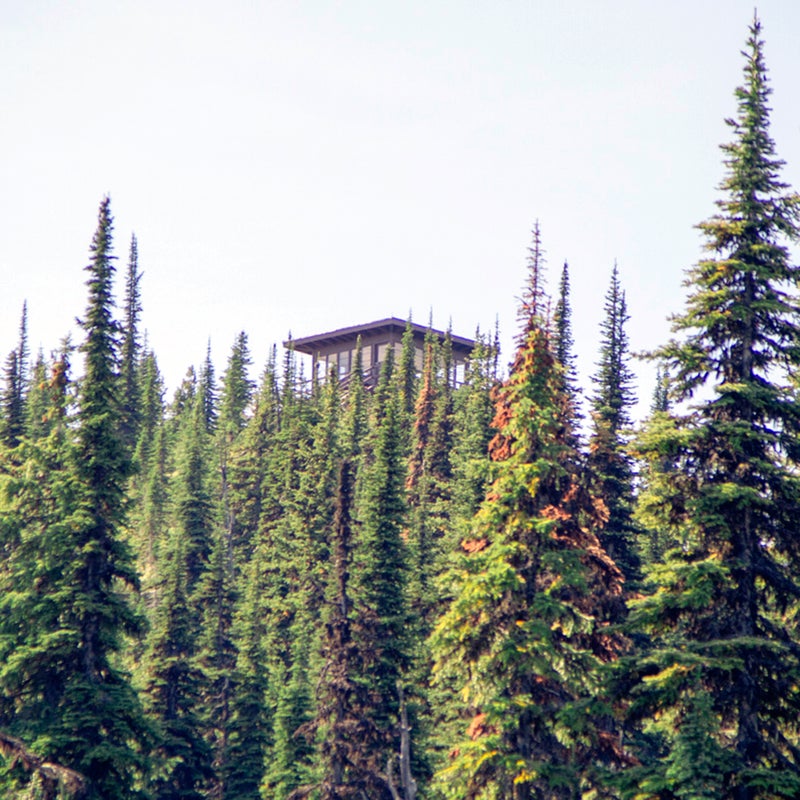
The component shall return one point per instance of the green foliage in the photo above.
(130, 350)
(65, 561)
(563, 343)
(722, 655)
(250, 725)
(523, 637)
(237, 389)
(610, 463)
(174, 686)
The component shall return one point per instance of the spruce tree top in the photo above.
(741, 316)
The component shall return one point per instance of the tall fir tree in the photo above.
(174, 686)
(609, 461)
(131, 349)
(524, 635)
(405, 372)
(216, 596)
(23, 349)
(13, 414)
(37, 649)
(341, 723)
(251, 718)
(12, 421)
(473, 412)
(719, 683)
(148, 489)
(237, 388)
(37, 405)
(564, 343)
(194, 503)
(207, 388)
(382, 569)
(102, 716)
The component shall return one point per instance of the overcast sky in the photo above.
(303, 166)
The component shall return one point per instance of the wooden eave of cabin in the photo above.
(389, 331)
(336, 349)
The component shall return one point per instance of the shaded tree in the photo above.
(720, 679)
(524, 636)
(609, 461)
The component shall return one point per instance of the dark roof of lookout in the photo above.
(391, 326)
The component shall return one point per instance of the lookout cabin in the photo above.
(336, 349)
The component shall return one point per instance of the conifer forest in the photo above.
(417, 588)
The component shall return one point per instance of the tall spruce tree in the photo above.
(564, 343)
(130, 350)
(13, 415)
(382, 571)
(99, 728)
(250, 725)
(237, 388)
(37, 649)
(12, 421)
(247, 467)
(721, 681)
(208, 389)
(341, 721)
(524, 635)
(472, 432)
(174, 686)
(194, 504)
(609, 461)
(37, 405)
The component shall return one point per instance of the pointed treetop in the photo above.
(532, 303)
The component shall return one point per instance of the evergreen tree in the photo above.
(130, 350)
(194, 503)
(12, 402)
(341, 720)
(611, 466)
(429, 478)
(248, 467)
(151, 409)
(660, 391)
(473, 412)
(251, 723)
(174, 687)
(524, 635)
(184, 394)
(533, 293)
(216, 597)
(208, 390)
(292, 755)
(37, 515)
(13, 414)
(38, 400)
(237, 388)
(720, 680)
(23, 351)
(102, 718)
(563, 343)
(148, 490)
(88, 715)
(382, 569)
(406, 374)
(355, 418)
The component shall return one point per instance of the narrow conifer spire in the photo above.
(131, 348)
(525, 633)
(564, 343)
(724, 656)
(533, 302)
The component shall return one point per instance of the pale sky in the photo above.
(304, 166)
